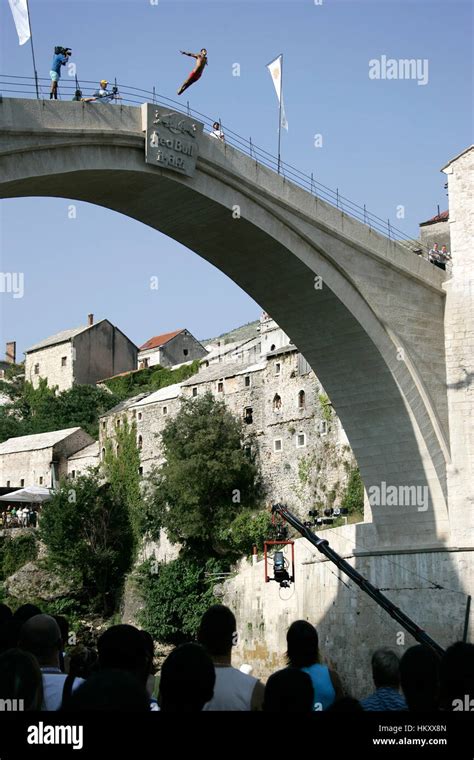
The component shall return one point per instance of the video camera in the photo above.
(58, 50)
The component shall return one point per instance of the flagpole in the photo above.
(279, 110)
(32, 50)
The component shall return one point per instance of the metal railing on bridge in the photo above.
(12, 86)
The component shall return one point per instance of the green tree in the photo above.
(89, 537)
(353, 499)
(121, 467)
(207, 478)
(39, 410)
(176, 595)
(248, 529)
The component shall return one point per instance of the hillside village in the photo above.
(288, 421)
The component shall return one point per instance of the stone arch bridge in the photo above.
(366, 312)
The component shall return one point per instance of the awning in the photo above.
(32, 494)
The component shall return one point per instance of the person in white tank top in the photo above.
(233, 690)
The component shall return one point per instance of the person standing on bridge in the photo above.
(60, 58)
(196, 73)
(217, 131)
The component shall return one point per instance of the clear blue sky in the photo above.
(383, 141)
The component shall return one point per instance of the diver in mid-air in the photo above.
(196, 73)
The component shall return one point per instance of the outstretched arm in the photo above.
(192, 55)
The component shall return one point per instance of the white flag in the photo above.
(21, 19)
(275, 70)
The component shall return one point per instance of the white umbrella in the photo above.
(33, 494)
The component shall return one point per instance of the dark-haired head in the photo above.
(419, 678)
(217, 630)
(20, 679)
(25, 612)
(123, 647)
(289, 691)
(187, 679)
(302, 644)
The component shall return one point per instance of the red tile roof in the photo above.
(441, 217)
(159, 340)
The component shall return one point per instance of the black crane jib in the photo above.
(322, 545)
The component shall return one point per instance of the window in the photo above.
(41, 481)
(104, 425)
(248, 415)
(195, 391)
(8, 484)
(103, 453)
(37, 369)
(277, 368)
(322, 426)
(165, 410)
(63, 361)
(301, 400)
(117, 423)
(73, 473)
(247, 381)
(272, 347)
(134, 413)
(220, 386)
(118, 448)
(145, 363)
(300, 440)
(140, 470)
(185, 351)
(277, 444)
(22, 482)
(276, 403)
(139, 415)
(248, 451)
(140, 442)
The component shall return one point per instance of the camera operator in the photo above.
(60, 58)
(103, 95)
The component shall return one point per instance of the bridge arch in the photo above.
(371, 327)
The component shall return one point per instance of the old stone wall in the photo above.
(55, 363)
(431, 587)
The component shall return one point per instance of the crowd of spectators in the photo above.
(38, 668)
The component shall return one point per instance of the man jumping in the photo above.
(196, 73)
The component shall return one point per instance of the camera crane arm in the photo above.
(322, 545)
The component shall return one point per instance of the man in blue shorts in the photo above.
(60, 58)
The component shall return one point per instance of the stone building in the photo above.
(81, 461)
(150, 413)
(169, 349)
(82, 355)
(41, 459)
(288, 421)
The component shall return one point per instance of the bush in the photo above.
(249, 529)
(89, 538)
(353, 498)
(17, 552)
(176, 595)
